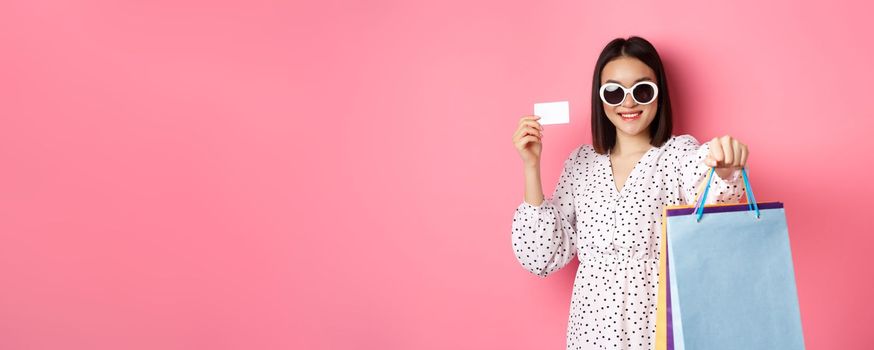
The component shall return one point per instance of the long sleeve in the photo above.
(544, 236)
(693, 172)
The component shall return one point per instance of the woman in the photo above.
(606, 209)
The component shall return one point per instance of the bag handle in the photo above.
(751, 199)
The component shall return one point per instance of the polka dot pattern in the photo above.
(615, 234)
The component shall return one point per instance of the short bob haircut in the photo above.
(603, 131)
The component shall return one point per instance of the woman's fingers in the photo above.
(526, 125)
(525, 140)
(526, 130)
(738, 153)
(710, 161)
(727, 150)
(716, 150)
(532, 131)
(529, 130)
(528, 117)
(531, 123)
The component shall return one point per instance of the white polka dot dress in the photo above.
(615, 235)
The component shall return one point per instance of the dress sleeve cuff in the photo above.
(728, 190)
(733, 178)
(528, 206)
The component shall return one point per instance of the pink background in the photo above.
(340, 175)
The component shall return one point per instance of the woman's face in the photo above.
(627, 71)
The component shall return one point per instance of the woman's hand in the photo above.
(726, 154)
(527, 140)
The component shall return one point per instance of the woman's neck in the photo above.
(631, 144)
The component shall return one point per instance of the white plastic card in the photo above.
(552, 112)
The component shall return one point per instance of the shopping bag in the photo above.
(726, 278)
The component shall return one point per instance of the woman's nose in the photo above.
(629, 101)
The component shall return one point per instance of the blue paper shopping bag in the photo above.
(728, 281)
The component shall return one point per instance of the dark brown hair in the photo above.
(603, 131)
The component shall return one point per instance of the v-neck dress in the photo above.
(615, 235)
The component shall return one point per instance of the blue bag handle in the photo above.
(751, 199)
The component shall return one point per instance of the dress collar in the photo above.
(648, 158)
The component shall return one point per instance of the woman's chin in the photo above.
(628, 130)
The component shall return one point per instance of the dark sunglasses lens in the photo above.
(643, 93)
(613, 94)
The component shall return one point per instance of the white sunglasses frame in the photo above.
(627, 91)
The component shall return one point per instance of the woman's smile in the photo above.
(630, 117)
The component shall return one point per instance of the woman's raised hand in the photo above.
(726, 155)
(528, 140)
